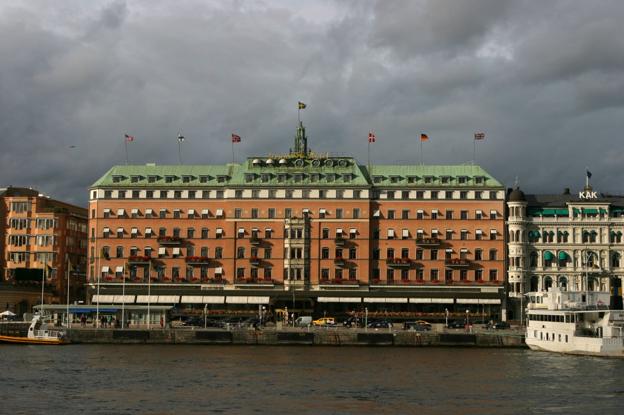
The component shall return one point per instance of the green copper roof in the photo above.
(298, 170)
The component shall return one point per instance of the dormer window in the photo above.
(462, 179)
(315, 177)
(187, 179)
(445, 179)
(428, 179)
(265, 177)
(412, 179)
(117, 178)
(221, 179)
(170, 179)
(204, 179)
(298, 177)
(395, 179)
(249, 177)
(346, 177)
(282, 177)
(152, 179)
(135, 179)
(479, 179)
(377, 179)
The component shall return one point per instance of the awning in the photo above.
(214, 299)
(385, 300)
(192, 299)
(134, 231)
(121, 212)
(176, 251)
(548, 255)
(148, 231)
(322, 211)
(102, 299)
(105, 268)
(420, 300)
(168, 299)
(390, 233)
(219, 270)
(254, 229)
(135, 211)
(120, 230)
(268, 230)
(420, 211)
(205, 212)
(420, 232)
(106, 230)
(563, 256)
(306, 210)
(463, 250)
(493, 231)
(493, 212)
(434, 211)
(479, 212)
(489, 301)
(240, 299)
(449, 250)
(241, 230)
(147, 299)
(219, 230)
(149, 211)
(219, 213)
(191, 212)
(339, 299)
(434, 232)
(442, 300)
(467, 301)
(123, 299)
(162, 251)
(120, 268)
(107, 210)
(177, 210)
(405, 233)
(352, 231)
(479, 232)
(339, 231)
(376, 214)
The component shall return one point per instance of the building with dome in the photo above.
(572, 240)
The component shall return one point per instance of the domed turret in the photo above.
(516, 195)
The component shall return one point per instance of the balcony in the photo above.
(457, 263)
(254, 240)
(138, 260)
(402, 263)
(255, 261)
(340, 262)
(340, 241)
(197, 260)
(169, 240)
(254, 281)
(428, 242)
(340, 281)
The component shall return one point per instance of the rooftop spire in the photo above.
(301, 141)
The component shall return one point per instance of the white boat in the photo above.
(38, 333)
(576, 322)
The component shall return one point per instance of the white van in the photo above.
(303, 321)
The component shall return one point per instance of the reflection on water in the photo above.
(317, 380)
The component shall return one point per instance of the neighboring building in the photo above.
(320, 232)
(38, 237)
(570, 240)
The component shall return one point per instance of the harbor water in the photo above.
(161, 379)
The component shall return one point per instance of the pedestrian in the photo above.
(162, 322)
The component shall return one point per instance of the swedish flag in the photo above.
(301, 105)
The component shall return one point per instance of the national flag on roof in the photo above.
(301, 105)
(180, 137)
(371, 137)
(479, 136)
(236, 138)
(589, 174)
(129, 137)
(424, 137)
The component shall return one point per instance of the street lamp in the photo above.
(467, 319)
(366, 318)
(446, 314)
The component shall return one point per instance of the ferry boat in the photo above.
(576, 322)
(38, 333)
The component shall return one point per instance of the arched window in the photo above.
(593, 284)
(534, 283)
(563, 282)
(591, 259)
(518, 236)
(533, 259)
(615, 260)
(548, 282)
(563, 258)
(548, 258)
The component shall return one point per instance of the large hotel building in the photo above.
(39, 239)
(302, 230)
(572, 240)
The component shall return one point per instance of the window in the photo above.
(176, 232)
(204, 251)
(493, 235)
(267, 253)
(390, 214)
(493, 214)
(190, 233)
(218, 252)
(493, 254)
(254, 213)
(463, 214)
(204, 233)
(338, 213)
(449, 234)
(324, 253)
(325, 274)
(353, 253)
(390, 253)
(493, 275)
(433, 275)
(463, 195)
(449, 214)
(464, 234)
(390, 274)
(271, 213)
(478, 254)
(119, 252)
(419, 254)
(478, 275)
(325, 233)
(405, 253)
(434, 254)
(163, 214)
(434, 214)
(448, 275)
(238, 213)
(356, 213)
(434, 194)
(287, 212)
(420, 215)
(405, 214)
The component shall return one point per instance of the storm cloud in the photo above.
(543, 80)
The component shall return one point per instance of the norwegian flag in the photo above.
(371, 137)
(236, 138)
(479, 136)
(129, 138)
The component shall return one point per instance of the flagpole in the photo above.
(369, 164)
(123, 298)
(421, 152)
(474, 151)
(179, 151)
(68, 324)
(97, 303)
(43, 275)
(232, 151)
(149, 291)
(126, 143)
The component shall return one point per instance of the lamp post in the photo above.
(446, 314)
(365, 318)
(467, 319)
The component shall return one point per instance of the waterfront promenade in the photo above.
(337, 336)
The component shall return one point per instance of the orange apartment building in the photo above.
(312, 232)
(40, 236)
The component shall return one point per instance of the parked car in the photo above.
(456, 324)
(303, 321)
(417, 325)
(324, 321)
(380, 324)
(352, 322)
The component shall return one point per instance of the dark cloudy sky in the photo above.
(543, 79)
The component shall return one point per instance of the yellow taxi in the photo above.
(324, 321)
